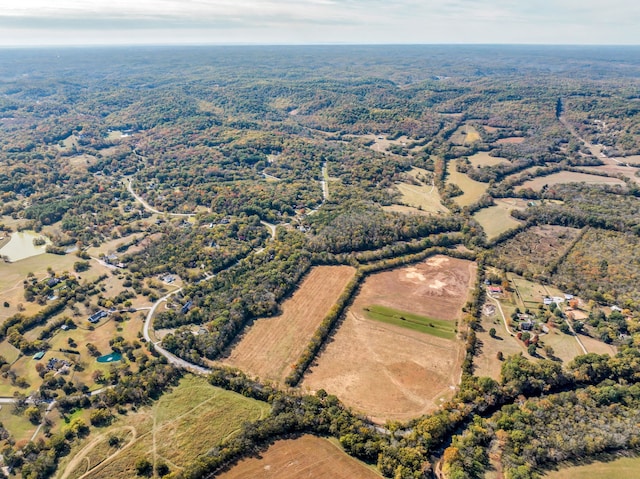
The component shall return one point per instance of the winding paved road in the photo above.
(150, 208)
(176, 361)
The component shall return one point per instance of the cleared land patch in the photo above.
(568, 177)
(391, 372)
(272, 344)
(512, 140)
(622, 468)
(465, 135)
(422, 196)
(483, 158)
(305, 457)
(193, 409)
(612, 167)
(497, 219)
(472, 189)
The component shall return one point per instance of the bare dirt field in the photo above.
(387, 371)
(568, 177)
(272, 345)
(305, 457)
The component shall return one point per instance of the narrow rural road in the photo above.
(504, 319)
(150, 208)
(176, 361)
(325, 182)
(271, 227)
(584, 350)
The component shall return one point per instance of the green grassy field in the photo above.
(19, 426)
(472, 189)
(496, 219)
(423, 324)
(482, 158)
(623, 468)
(182, 425)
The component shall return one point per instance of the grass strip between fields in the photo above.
(423, 324)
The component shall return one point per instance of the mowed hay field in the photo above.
(482, 158)
(388, 371)
(612, 167)
(568, 177)
(305, 457)
(497, 219)
(166, 432)
(465, 135)
(485, 363)
(424, 196)
(622, 468)
(272, 345)
(472, 189)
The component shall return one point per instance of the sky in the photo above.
(117, 22)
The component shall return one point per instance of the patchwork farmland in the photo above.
(390, 371)
(305, 457)
(272, 344)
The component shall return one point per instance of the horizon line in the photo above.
(310, 44)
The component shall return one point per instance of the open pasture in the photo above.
(612, 167)
(392, 372)
(165, 433)
(465, 135)
(512, 140)
(272, 345)
(472, 189)
(561, 177)
(497, 219)
(485, 361)
(423, 196)
(381, 143)
(483, 158)
(13, 274)
(621, 468)
(304, 457)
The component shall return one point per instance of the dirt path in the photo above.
(325, 182)
(504, 319)
(82, 455)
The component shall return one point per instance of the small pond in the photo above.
(109, 358)
(21, 246)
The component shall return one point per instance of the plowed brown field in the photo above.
(390, 372)
(272, 345)
(305, 457)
